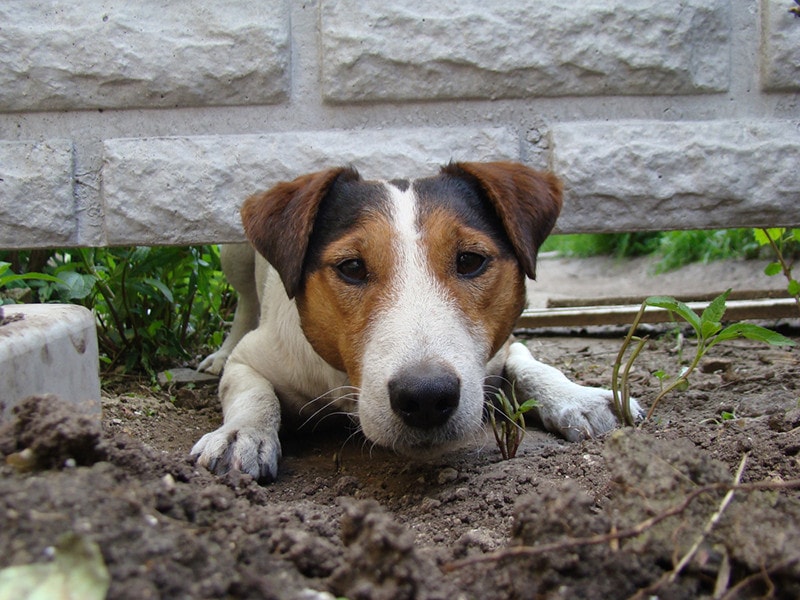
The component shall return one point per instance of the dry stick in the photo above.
(634, 531)
(764, 573)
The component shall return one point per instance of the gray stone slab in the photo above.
(187, 190)
(377, 50)
(37, 204)
(780, 47)
(97, 54)
(652, 175)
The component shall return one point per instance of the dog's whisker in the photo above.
(353, 434)
(331, 398)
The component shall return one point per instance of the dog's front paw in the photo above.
(250, 450)
(581, 412)
(214, 362)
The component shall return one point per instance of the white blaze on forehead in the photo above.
(419, 302)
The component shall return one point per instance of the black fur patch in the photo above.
(465, 199)
(340, 211)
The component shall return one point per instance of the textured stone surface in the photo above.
(780, 47)
(98, 54)
(374, 50)
(37, 206)
(49, 349)
(668, 175)
(188, 190)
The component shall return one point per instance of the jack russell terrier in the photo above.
(392, 302)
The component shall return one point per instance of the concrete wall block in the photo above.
(780, 47)
(96, 54)
(189, 189)
(37, 203)
(629, 176)
(379, 50)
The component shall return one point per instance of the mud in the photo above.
(606, 518)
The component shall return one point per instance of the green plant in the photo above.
(673, 248)
(507, 417)
(709, 332)
(679, 248)
(10, 281)
(155, 306)
(782, 242)
(619, 245)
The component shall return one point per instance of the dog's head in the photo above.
(410, 287)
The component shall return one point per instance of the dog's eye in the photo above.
(471, 264)
(352, 270)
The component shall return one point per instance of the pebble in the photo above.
(447, 475)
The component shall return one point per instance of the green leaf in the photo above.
(78, 286)
(773, 268)
(160, 287)
(710, 328)
(714, 312)
(678, 307)
(774, 233)
(794, 287)
(796, 235)
(30, 277)
(527, 405)
(753, 332)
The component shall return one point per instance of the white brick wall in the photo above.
(196, 184)
(374, 50)
(149, 122)
(95, 54)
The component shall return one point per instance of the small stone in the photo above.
(447, 475)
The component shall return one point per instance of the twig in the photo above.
(638, 529)
(733, 593)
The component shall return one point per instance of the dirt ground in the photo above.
(644, 513)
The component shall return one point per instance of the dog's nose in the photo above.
(425, 395)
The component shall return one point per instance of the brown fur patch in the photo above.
(527, 201)
(278, 222)
(336, 315)
(492, 300)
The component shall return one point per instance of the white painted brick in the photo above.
(379, 50)
(780, 47)
(98, 54)
(629, 176)
(51, 349)
(37, 204)
(188, 189)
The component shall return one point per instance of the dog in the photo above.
(392, 302)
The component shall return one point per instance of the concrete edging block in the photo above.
(49, 348)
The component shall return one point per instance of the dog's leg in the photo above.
(238, 264)
(571, 410)
(248, 439)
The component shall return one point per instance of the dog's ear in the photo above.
(279, 222)
(527, 201)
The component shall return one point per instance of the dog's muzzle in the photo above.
(425, 395)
